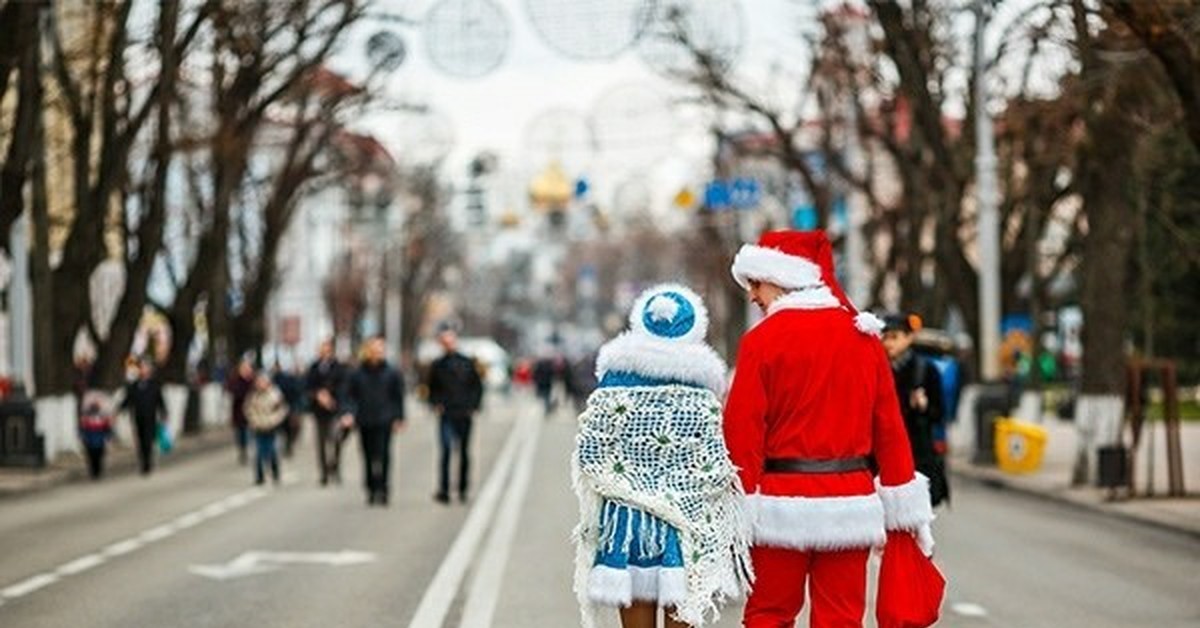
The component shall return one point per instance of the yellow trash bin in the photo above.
(1019, 445)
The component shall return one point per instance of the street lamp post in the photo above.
(987, 212)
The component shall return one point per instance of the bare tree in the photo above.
(105, 120)
(428, 247)
(262, 52)
(20, 29)
(1170, 29)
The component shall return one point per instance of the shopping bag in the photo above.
(910, 585)
(164, 438)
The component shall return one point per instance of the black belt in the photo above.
(804, 465)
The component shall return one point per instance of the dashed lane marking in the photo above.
(967, 609)
(131, 544)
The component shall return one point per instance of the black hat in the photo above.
(897, 322)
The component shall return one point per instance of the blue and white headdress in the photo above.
(665, 342)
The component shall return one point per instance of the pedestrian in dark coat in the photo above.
(239, 386)
(919, 390)
(375, 399)
(291, 386)
(144, 402)
(456, 393)
(326, 378)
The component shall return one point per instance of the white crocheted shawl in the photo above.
(661, 449)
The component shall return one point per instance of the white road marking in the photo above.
(29, 585)
(157, 533)
(484, 589)
(967, 609)
(435, 604)
(255, 561)
(132, 544)
(80, 565)
(120, 548)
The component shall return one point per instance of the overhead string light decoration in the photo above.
(467, 38)
(590, 30)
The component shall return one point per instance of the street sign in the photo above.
(256, 562)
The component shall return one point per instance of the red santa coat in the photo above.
(809, 384)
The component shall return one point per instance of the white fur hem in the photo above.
(672, 586)
(907, 506)
(773, 266)
(692, 363)
(610, 587)
(817, 523)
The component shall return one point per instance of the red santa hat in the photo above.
(798, 261)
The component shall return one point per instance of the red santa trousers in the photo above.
(837, 581)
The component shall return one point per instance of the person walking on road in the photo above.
(144, 402)
(919, 391)
(456, 393)
(375, 399)
(661, 524)
(265, 410)
(239, 385)
(325, 380)
(291, 386)
(812, 409)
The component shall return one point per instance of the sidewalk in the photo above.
(1053, 479)
(121, 459)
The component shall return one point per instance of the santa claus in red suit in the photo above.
(811, 418)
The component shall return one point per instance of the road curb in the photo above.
(119, 463)
(996, 480)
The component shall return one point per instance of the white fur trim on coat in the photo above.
(773, 266)
(698, 331)
(811, 298)
(693, 363)
(907, 506)
(610, 587)
(817, 523)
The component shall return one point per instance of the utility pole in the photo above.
(988, 214)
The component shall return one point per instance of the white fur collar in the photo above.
(694, 363)
(818, 297)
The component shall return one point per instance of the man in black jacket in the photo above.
(324, 383)
(144, 402)
(455, 391)
(375, 398)
(919, 390)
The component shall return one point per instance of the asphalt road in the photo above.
(196, 545)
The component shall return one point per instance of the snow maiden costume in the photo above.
(659, 499)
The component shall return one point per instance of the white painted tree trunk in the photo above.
(1029, 407)
(1098, 424)
(214, 405)
(58, 423)
(961, 435)
(175, 396)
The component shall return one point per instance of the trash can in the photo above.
(1019, 445)
(20, 443)
(991, 404)
(1113, 463)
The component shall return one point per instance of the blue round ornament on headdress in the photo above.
(668, 314)
(671, 312)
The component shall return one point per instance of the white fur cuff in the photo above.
(907, 506)
(817, 523)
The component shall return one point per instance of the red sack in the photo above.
(910, 585)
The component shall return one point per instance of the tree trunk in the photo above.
(110, 359)
(26, 55)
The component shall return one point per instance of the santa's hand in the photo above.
(924, 535)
